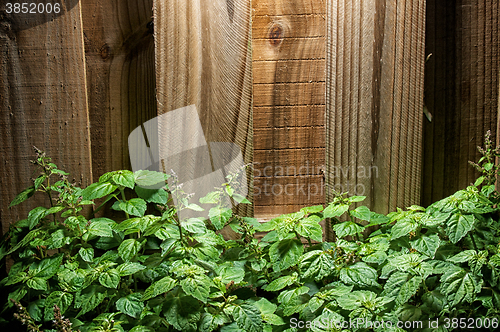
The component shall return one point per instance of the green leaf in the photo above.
(110, 278)
(128, 249)
(402, 286)
(462, 257)
(131, 305)
(359, 274)
(335, 210)
(98, 190)
(285, 253)
(194, 207)
(427, 244)
(135, 206)
(158, 196)
(240, 199)
(310, 228)
(282, 282)
(231, 272)
(145, 178)
(312, 209)
(317, 264)
(356, 299)
(212, 197)
(459, 225)
(219, 216)
(129, 268)
(290, 295)
(87, 254)
(124, 178)
(265, 307)
(197, 286)
(37, 283)
(62, 299)
(46, 267)
(347, 228)
(140, 328)
(89, 299)
(361, 212)
(35, 215)
(183, 312)
(248, 318)
(159, 287)
(22, 196)
(403, 227)
(194, 225)
(101, 227)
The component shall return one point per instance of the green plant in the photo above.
(426, 269)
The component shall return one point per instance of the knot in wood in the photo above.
(104, 51)
(275, 34)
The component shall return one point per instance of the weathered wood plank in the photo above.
(289, 162)
(288, 116)
(290, 71)
(43, 101)
(285, 94)
(289, 48)
(288, 7)
(293, 26)
(300, 190)
(119, 53)
(462, 78)
(289, 138)
(374, 100)
(203, 57)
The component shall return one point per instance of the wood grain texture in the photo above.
(462, 79)
(289, 102)
(374, 99)
(119, 51)
(203, 57)
(43, 102)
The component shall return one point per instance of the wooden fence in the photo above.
(318, 94)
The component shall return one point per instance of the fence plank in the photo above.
(374, 100)
(119, 51)
(203, 57)
(43, 101)
(462, 77)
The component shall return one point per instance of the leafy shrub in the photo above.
(437, 266)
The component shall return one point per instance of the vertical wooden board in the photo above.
(289, 98)
(461, 92)
(374, 98)
(119, 51)
(43, 101)
(203, 58)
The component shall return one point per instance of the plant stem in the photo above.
(474, 243)
(124, 199)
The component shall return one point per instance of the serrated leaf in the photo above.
(101, 227)
(289, 295)
(212, 197)
(98, 190)
(459, 225)
(265, 306)
(194, 207)
(427, 244)
(194, 225)
(87, 254)
(359, 274)
(135, 206)
(459, 285)
(248, 318)
(37, 283)
(356, 299)
(317, 264)
(131, 305)
(229, 272)
(361, 212)
(158, 196)
(463, 256)
(128, 249)
(403, 227)
(402, 286)
(22, 196)
(159, 287)
(148, 179)
(335, 210)
(309, 228)
(46, 267)
(197, 286)
(124, 178)
(89, 299)
(280, 283)
(62, 299)
(285, 253)
(110, 278)
(219, 216)
(312, 209)
(129, 268)
(347, 228)
(35, 215)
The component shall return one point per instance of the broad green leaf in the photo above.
(110, 278)
(289, 295)
(426, 244)
(62, 299)
(282, 282)
(98, 190)
(35, 215)
(87, 254)
(183, 312)
(197, 286)
(355, 199)
(402, 286)
(356, 299)
(285, 253)
(459, 225)
(102, 227)
(230, 272)
(265, 307)
(311, 229)
(128, 249)
(403, 227)
(312, 209)
(158, 196)
(89, 299)
(219, 216)
(463, 256)
(240, 199)
(145, 178)
(37, 283)
(141, 328)
(317, 264)
(46, 267)
(135, 206)
(124, 178)
(212, 197)
(347, 228)
(159, 287)
(194, 225)
(22, 196)
(359, 274)
(333, 291)
(129, 268)
(194, 207)
(335, 210)
(459, 285)
(131, 305)
(361, 212)
(248, 318)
